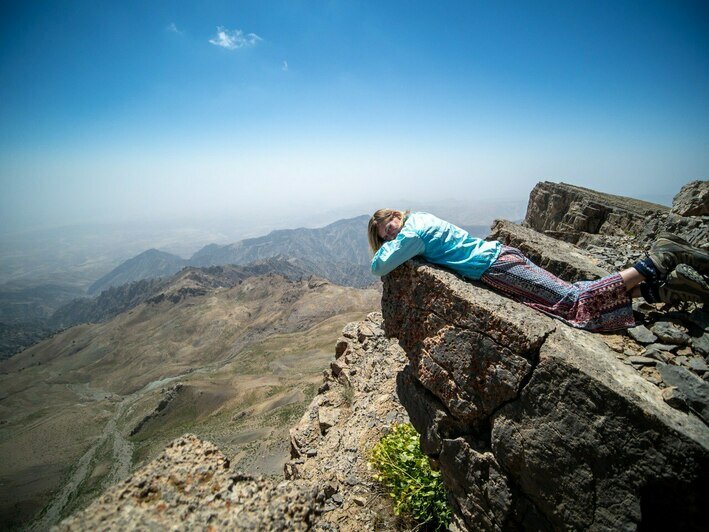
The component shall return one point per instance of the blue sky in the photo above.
(128, 110)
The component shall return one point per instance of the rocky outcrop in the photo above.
(692, 200)
(190, 486)
(356, 405)
(168, 396)
(588, 218)
(561, 258)
(567, 211)
(534, 424)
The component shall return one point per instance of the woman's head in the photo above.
(384, 225)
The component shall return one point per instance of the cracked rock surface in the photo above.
(355, 407)
(535, 424)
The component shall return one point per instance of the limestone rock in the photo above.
(480, 485)
(560, 258)
(587, 410)
(670, 334)
(554, 429)
(692, 387)
(568, 210)
(701, 344)
(692, 199)
(642, 334)
(675, 398)
(468, 346)
(343, 423)
(327, 418)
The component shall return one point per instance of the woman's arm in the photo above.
(396, 252)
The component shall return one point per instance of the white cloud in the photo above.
(285, 66)
(233, 39)
(172, 27)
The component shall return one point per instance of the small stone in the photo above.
(642, 306)
(311, 452)
(663, 356)
(327, 418)
(359, 500)
(658, 352)
(698, 364)
(642, 361)
(701, 344)
(651, 375)
(329, 489)
(670, 334)
(694, 388)
(681, 361)
(674, 398)
(337, 366)
(337, 498)
(642, 334)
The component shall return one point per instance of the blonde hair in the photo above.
(382, 215)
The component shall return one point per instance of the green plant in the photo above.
(405, 471)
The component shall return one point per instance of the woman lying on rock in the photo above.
(601, 305)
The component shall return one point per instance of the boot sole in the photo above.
(674, 245)
(686, 284)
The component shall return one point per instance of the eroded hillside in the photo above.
(233, 360)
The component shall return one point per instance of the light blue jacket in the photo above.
(439, 242)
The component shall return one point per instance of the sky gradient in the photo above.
(115, 111)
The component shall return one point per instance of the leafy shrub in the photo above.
(404, 470)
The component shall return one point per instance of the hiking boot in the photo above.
(669, 250)
(684, 284)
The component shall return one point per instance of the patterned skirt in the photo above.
(602, 305)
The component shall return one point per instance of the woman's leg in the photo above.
(632, 278)
(600, 305)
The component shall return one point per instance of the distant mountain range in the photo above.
(146, 265)
(337, 252)
(115, 300)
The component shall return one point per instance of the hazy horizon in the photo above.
(111, 113)
(260, 224)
